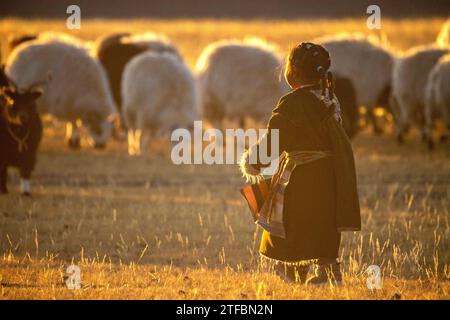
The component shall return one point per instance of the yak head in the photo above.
(18, 107)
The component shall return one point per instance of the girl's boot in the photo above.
(325, 273)
(292, 273)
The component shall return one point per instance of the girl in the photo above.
(313, 195)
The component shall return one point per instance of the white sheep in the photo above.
(437, 98)
(158, 95)
(239, 79)
(409, 78)
(78, 89)
(115, 50)
(367, 63)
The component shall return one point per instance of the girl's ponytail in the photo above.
(330, 81)
(326, 82)
(323, 79)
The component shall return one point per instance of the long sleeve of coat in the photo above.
(286, 131)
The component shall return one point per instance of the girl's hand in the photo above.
(251, 172)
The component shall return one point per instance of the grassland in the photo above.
(147, 229)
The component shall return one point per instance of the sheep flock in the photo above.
(138, 86)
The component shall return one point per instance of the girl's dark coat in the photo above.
(321, 198)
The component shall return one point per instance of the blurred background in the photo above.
(236, 9)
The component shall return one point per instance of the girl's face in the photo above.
(295, 80)
(292, 78)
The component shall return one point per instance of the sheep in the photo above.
(239, 79)
(409, 77)
(78, 90)
(443, 38)
(437, 98)
(346, 94)
(115, 50)
(158, 94)
(367, 63)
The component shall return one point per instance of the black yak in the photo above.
(346, 94)
(115, 50)
(18, 40)
(20, 132)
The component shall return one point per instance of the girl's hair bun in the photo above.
(310, 60)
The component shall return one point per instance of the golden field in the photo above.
(143, 228)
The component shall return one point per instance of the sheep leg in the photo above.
(428, 131)
(399, 116)
(401, 129)
(373, 120)
(131, 142)
(403, 125)
(135, 149)
(130, 139)
(446, 118)
(138, 134)
(421, 124)
(429, 137)
(146, 134)
(119, 129)
(3, 179)
(396, 113)
(142, 134)
(73, 135)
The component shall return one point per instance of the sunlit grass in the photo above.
(145, 228)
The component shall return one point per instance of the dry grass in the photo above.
(147, 229)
